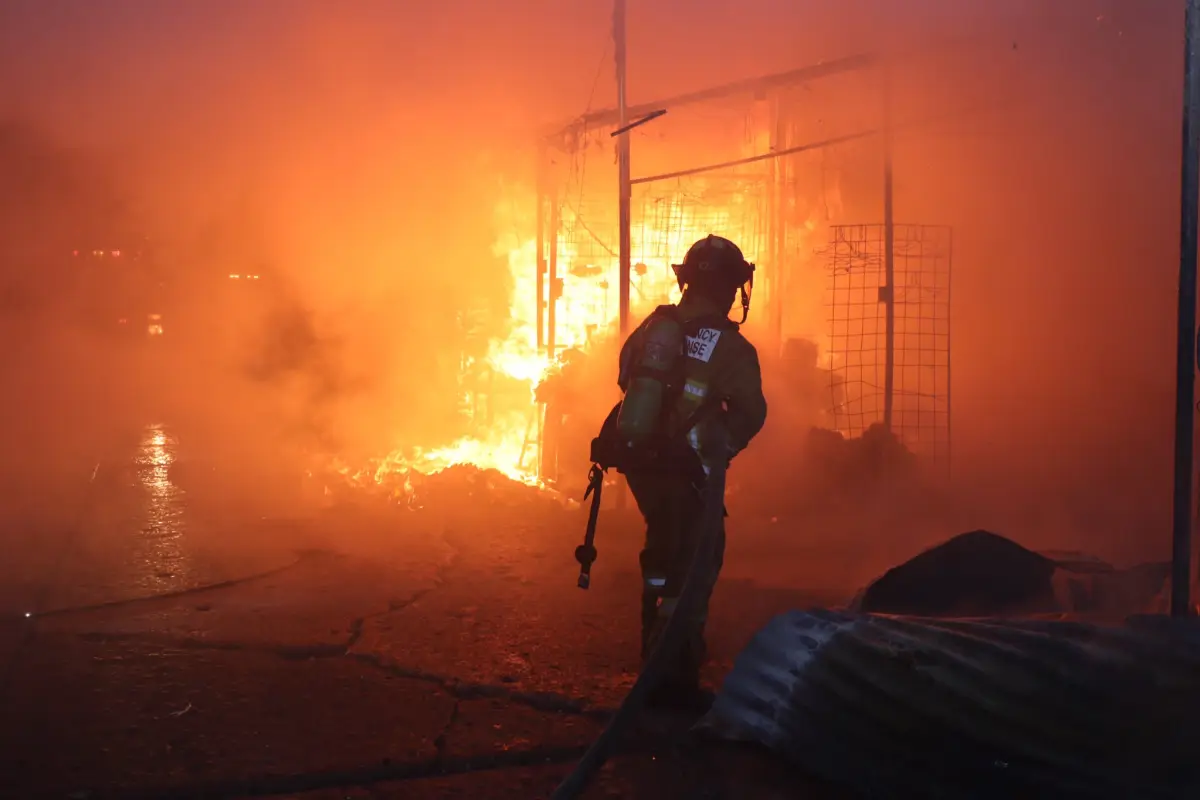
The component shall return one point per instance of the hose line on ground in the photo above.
(669, 643)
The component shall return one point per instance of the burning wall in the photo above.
(775, 209)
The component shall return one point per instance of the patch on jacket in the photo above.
(701, 346)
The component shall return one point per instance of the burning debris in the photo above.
(469, 483)
(442, 488)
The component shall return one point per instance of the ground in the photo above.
(183, 641)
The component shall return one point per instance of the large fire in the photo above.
(586, 313)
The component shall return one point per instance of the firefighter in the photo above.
(686, 368)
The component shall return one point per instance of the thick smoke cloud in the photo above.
(353, 155)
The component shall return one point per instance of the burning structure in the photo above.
(852, 319)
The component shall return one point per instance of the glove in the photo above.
(715, 447)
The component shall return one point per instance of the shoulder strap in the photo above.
(668, 310)
(708, 407)
(627, 371)
(718, 321)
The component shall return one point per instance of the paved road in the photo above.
(351, 651)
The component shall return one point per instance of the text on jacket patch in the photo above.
(701, 346)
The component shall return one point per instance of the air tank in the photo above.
(653, 369)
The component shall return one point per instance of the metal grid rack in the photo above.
(667, 218)
(670, 215)
(585, 257)
(751, 163)
(856, 304)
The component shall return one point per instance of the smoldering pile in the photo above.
(982, 574)
(446, 488)
(471, 484)
(874, 455)
(831, 470)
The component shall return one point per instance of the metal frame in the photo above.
(888, 306)
(565, 134)
(565, 138)
(1186, 345)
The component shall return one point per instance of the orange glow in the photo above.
(587, 314)
(359, 154)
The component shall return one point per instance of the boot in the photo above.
(682, 694)
(680, 689)
(650, 625)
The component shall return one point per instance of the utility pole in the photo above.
(1185, 361)
(888, 292)
(780, 176)
(540, 282)
(624, 188)
(552, 281)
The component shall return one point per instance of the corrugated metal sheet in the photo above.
(904, 707)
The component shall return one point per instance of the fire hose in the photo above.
(669, 642)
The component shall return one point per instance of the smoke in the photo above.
(292, 356)
(353, 155)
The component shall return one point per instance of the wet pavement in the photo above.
(121, 527)
(184, 645)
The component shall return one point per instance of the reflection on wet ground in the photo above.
(163, 521)
(128, 529)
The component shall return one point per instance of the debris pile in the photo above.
(985, 574)
(467, 483)
(833, 471)
(446, 488)
(859, 462)
(973, 574)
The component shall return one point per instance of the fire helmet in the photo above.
(714, 265)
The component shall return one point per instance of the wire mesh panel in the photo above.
(857, 315)
(586, 270)
(749, 166)
(694, 182)
(857, 326)
(669, 216)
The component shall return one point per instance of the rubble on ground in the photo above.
(454, 485)
(469, 483)
(984, 574)
(857, 462)
(973, 574)
(832, 470)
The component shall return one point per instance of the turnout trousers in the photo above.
(672, 506)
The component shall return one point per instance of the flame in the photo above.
(586, 313)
